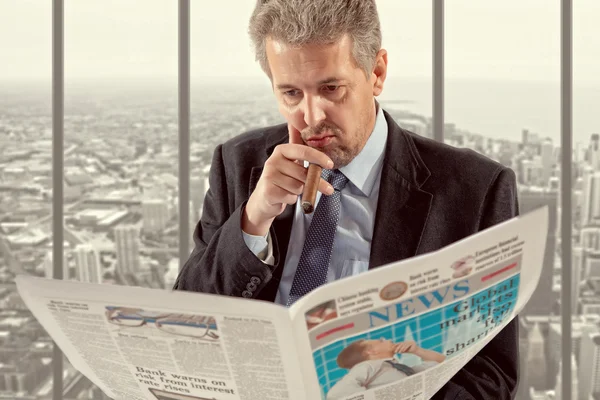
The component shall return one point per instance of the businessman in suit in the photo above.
(386, 193)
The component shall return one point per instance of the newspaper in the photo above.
(400, 331)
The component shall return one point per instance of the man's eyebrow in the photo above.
(326, 81)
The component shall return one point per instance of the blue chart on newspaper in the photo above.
(440, 316)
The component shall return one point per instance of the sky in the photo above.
(137, 39)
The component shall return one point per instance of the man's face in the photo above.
(324, 94)
(379, 348)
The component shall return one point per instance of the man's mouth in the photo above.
(319, 141)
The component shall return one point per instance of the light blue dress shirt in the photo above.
(352, 243)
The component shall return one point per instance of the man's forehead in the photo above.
(308, 65)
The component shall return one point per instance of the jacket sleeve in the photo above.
(494, 372)
(221, 262)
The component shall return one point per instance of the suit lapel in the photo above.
(402, 207)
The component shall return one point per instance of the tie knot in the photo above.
(336, 178)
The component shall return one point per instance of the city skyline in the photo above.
(121, 217)
(121, 195)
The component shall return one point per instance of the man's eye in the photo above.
(331, 88)
(291, 93)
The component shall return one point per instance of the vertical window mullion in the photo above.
(57, 171)
(438, 70)
(184, 130)
(566, 208)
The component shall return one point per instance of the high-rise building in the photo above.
(594, 152)
(574, 381)
(589, 363)
(590, 211)
(590, 244)
(579, 325)
(525, 136)
(127, 241)
(592, 264)
(536, 358)
(88, 264)
(547, 161)
(590, 238)
(155, 215)
(576, 278)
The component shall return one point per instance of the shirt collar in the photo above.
(363, 170)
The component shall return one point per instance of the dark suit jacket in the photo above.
(431, 195)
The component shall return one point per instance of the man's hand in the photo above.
(281, 182)
(409, 346)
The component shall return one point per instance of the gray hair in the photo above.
(320, 22)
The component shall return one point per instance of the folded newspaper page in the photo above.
(400, 331)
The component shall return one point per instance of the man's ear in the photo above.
(379, 72)
(369, 351)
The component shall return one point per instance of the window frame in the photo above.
(438, 48)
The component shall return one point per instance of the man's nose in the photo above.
(313, 111)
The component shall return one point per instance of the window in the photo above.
(25, 186)
(585, 204)
(407, 94)
(121, 185)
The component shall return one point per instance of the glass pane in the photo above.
(121, 145)
(230, 94)
(25, 190)
(502, 99)
(585, 267)
(407, 36)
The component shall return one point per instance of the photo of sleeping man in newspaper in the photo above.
(412, 335)
(373, 363)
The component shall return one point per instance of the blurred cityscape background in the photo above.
(121, 152)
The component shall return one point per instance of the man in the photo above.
(397, 194)
(372, 364)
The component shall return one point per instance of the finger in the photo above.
(298, 172)
(274, 195)
(325, 187)
(294, 135)
(305, 153)
(291, 185)
(285, 167)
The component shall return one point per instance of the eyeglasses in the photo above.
(195, 326)
(163, 395)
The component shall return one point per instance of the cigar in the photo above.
(310, 188)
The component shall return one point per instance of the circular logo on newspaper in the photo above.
(393, 290)
(463, 267)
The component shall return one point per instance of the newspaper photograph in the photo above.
(405, 338)
(399, 331)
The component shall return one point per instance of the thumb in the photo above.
(294, 135)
